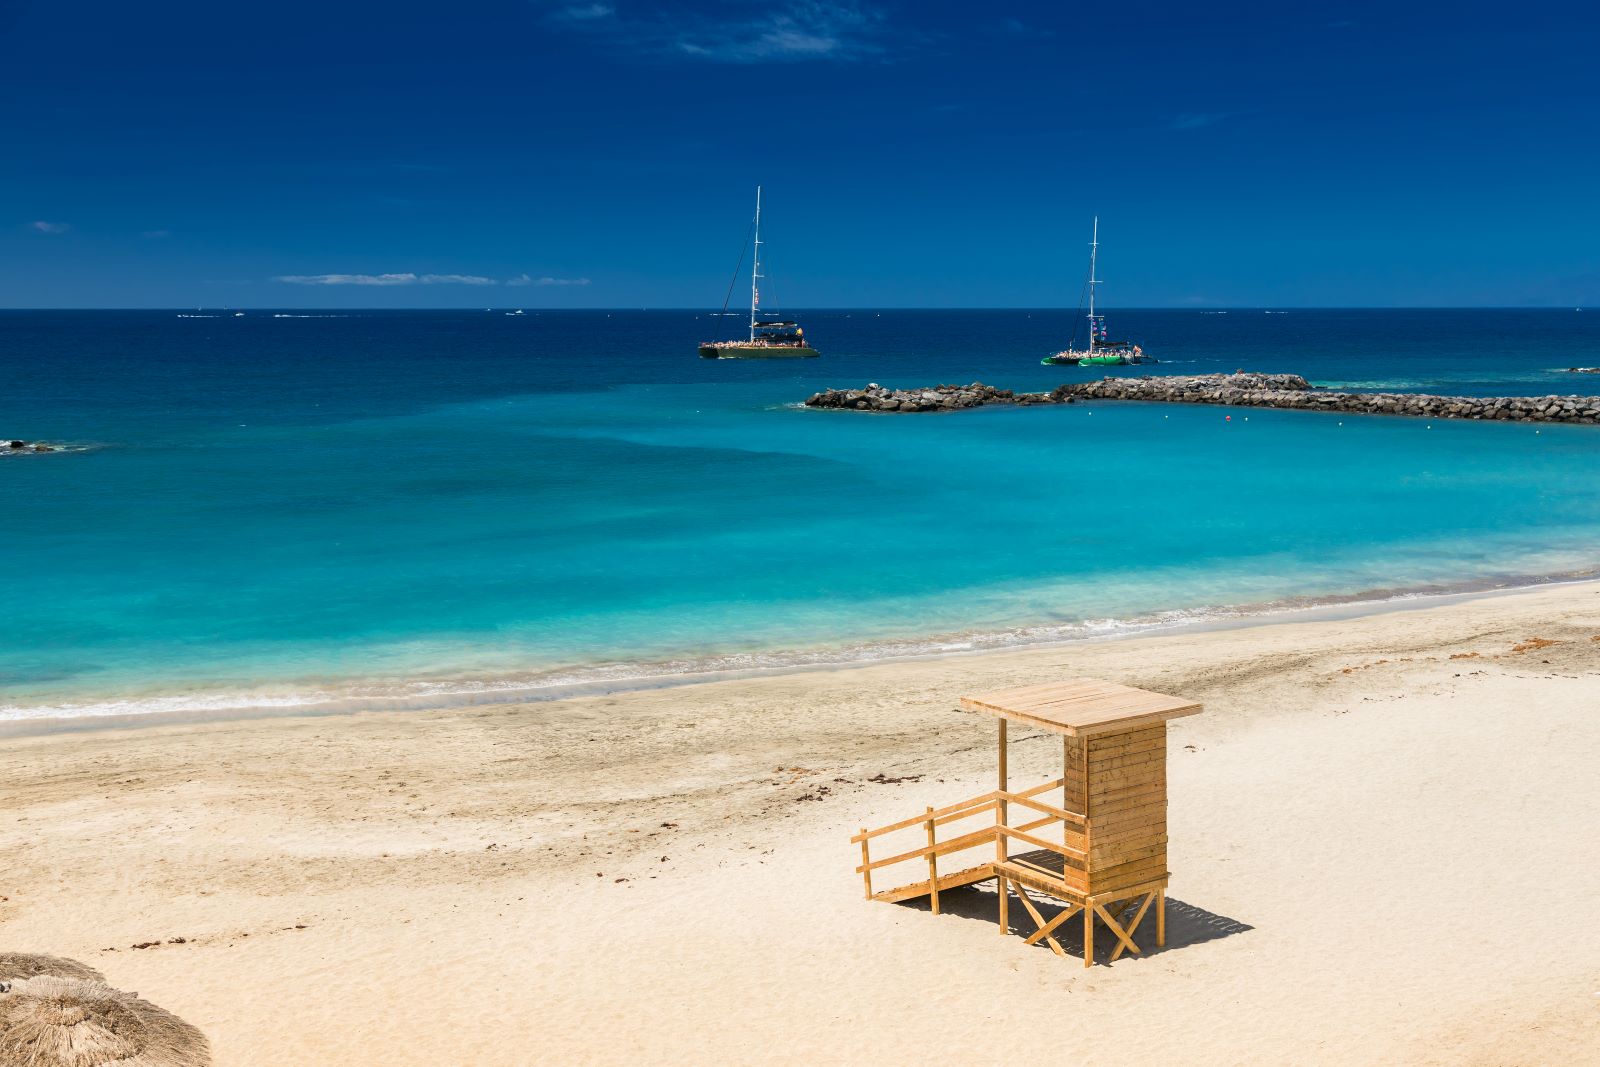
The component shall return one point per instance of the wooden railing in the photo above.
(1001, 833)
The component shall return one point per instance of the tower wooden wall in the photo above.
(1118, 778)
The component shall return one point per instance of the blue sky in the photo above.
(604, 153)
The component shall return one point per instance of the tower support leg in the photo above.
(1161, 917)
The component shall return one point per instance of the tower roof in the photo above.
(1081, 706)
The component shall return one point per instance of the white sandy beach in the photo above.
(1385, 848)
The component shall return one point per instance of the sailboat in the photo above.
(1101, 352)
(769, 338)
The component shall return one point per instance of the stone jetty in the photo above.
(1293, 392)
(938, 398)
(1284, 391)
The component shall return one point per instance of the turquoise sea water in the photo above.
(451, 506)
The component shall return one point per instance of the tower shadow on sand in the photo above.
(1186, 924)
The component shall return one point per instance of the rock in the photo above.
(939, 398)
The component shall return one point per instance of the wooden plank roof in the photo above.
(1081, 706)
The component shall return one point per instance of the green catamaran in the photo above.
(1101, 351)
(769, 338)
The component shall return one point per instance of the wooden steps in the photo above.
(946, 881)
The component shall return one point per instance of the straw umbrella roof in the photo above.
(73, 1022)
(15, 966)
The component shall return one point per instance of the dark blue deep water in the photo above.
(282, 509)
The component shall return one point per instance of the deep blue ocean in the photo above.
(326, 509)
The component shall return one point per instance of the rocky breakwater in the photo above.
(1292, 392)
(939, 398)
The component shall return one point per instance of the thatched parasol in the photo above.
(18, 965)
(71, 1022)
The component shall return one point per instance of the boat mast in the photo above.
(755, 270)
(1094, 248)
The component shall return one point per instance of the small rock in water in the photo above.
(12, 444)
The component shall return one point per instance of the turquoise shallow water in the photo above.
(454, 506)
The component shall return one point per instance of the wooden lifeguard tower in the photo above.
(1111, 856)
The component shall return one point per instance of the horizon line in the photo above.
(635, 308)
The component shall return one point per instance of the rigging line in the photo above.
(772, 307)
(1081, 294)
(735, 279)
(772, 288)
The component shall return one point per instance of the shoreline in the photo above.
(431, 695)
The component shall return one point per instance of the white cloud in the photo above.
(456, 279)
(1198, 121)
(779, 42)
(1015, 27)
(413, 278)
(406, 278)
(525, 279)
(734, 31)
(347, 279)
(586, 12)
(49, 227)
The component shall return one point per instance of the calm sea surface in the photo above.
(284, 510)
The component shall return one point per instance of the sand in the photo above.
(1385, 848)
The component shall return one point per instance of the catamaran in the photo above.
(1101, 352)
(769, 338)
